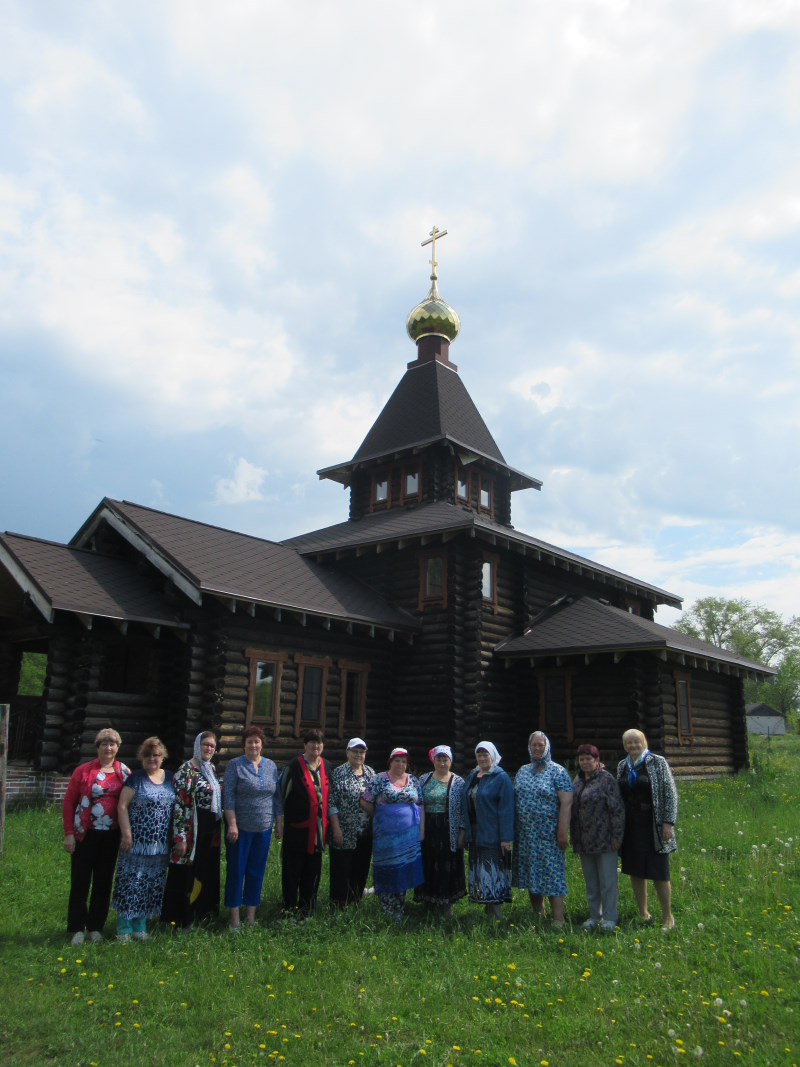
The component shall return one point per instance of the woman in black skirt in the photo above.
(651, 809)
(192, 890)
(442, 859)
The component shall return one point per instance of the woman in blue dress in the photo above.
(144, 813)
(394, 798)
(542, 802)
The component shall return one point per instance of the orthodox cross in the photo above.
(435, 234)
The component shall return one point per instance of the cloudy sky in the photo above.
(210, 227)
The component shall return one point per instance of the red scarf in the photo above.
(313, 806)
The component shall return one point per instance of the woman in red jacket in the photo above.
(91, 836)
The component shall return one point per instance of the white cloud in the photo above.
(244, 487)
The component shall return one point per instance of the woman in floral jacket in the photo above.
(192, 891)
(597, 823)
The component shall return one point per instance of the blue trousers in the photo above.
(246, 861)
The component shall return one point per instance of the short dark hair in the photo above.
(313, 735)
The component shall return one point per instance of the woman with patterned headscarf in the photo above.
(192, 891)
(542, 803)
(442, 859)
(651, 809)
(487, 818)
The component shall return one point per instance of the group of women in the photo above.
(167, 831)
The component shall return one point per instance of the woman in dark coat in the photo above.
(487, 819)
(651, 809)
(305, 784)
(597, 823)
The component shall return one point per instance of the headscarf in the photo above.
(545, 758)
(494, 755)
(441, 750)
(631, 766)
(207, 772)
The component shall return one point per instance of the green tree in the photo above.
(757, 633)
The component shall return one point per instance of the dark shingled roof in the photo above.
(430, 404)
(584, 626)
(236, 565)
(60, 578)
(442, 517)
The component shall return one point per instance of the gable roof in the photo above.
(203, 559)
(429, 404)
(583, 626)
(61, 578)
(446, 519)
(763, 711)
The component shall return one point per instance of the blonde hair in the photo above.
(635, 733)
(105, 734)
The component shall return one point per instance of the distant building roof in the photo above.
(583, 626)
(764, 710)
(430, 404)
(61, 578)
(238, 567)
(440, 517)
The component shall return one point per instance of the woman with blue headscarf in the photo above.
(487, 819)
(651, 808)
(542, 805)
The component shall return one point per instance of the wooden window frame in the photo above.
(408, 471)
(485, 509)
(265, 655)
(493, 561)
(543, 677)
(303, 661)
(462, 472)
(361, 671)
(377, 478)
(425, 599)
(684, 737)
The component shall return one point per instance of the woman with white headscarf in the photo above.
(192, 891)
(542, 804)
(487, 818)
(442, 859)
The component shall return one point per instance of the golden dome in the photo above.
(433, 318)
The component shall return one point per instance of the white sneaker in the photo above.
(589, 924)
(124, 938)
(140, 935)
(77, 939)
(95, 935)
(607, 926)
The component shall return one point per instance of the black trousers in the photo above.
(349, 871)
(300, 874)
(93, 863)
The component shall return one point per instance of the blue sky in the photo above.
(210, 226)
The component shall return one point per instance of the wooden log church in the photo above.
(424, 617)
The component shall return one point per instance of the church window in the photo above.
(683, 696)
(353, 698)
(264, 690)
(411, 485)
(380, 490)
(432, 579)
(462, 485)
(555, 703)
(485, 496)
(127, 667)
(312, 684)
(489, 582)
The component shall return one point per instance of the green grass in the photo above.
(350, 990)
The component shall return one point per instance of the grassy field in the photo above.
(344, 990)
